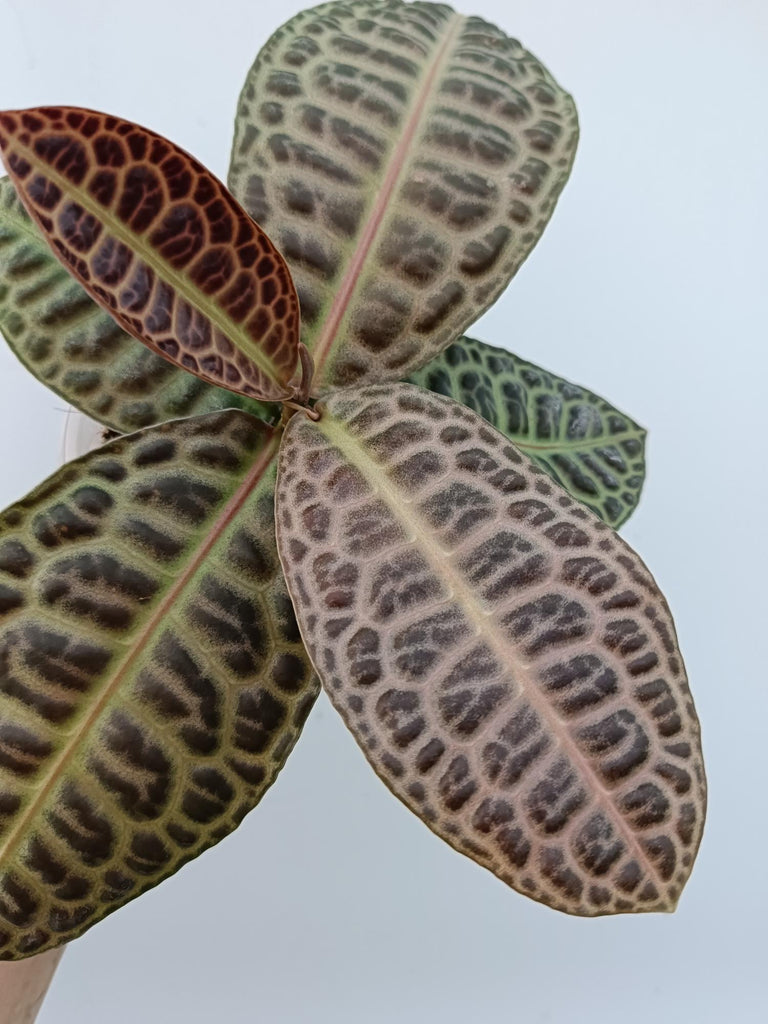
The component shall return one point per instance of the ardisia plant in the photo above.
(305, 436)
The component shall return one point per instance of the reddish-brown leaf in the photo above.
(158, 241)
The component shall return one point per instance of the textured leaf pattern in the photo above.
(506, 662)
(160, 243)
(152, 677)
(70, 344)
(596, 452)
(405, 160)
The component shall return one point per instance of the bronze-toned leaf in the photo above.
(77, 350)
(160, 243)
(507, 663)
(405, 160)
(152, 676)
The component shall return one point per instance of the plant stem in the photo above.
(23, 986)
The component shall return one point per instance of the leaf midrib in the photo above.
(399, 161)
(138, 646)
(570, 446)
(633, 432)
(441, 564)
(136, 243)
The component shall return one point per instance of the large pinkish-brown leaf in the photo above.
(160, 243)
(507, 663)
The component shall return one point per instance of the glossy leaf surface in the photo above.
(505, 660)
(595, 451)
(152, 678)
(160, 243)
(405, 160)
(74, 347)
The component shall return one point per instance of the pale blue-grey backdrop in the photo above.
(332, 902)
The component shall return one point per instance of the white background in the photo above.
(332, 902)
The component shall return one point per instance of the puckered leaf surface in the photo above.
(160, 243)
(405, 160)
(595, 451)
(152, 677)
(507, 663)
(74, 347)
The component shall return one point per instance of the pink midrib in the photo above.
(225, 518)
(447, 569)
(322, 348)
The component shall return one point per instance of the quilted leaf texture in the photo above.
(160, 243)
(506, 662)
(152, 676)
(77, 350)
(405, 160)
(70, 344)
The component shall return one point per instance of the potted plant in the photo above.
(506, 662)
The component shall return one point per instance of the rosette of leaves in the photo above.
(438, 553)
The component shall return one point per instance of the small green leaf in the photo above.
(405, 160)
(158, 241)
(506, 662)
(70, 344)
(153, 680)
(596, 452)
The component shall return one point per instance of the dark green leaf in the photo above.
(596, 452)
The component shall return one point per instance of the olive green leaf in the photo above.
(70, 344)
(507, 663)
(405, 160)
(152, 677)
(596, 452)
